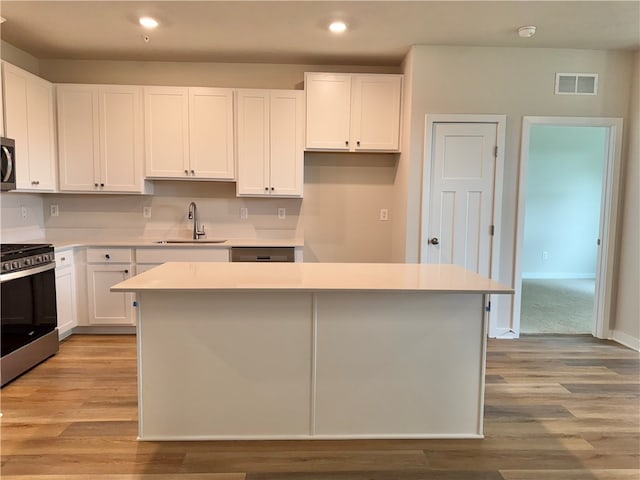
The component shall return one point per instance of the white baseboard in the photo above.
(557, 276)
(626, 340)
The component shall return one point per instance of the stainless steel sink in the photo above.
(195, 242)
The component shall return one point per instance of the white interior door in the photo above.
(460, 229)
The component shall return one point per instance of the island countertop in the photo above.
(311, 277)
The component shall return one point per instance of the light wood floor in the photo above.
(556, 408)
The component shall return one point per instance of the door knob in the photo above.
(434, 241)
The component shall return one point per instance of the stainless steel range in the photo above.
(29, 332)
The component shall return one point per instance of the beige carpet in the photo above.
(557, 306)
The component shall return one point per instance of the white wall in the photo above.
(627, 320)
(511, 81)
(13, 226)
(564, 191)
(112, 216)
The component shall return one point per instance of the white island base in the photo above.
(286, 362)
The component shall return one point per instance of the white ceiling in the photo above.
(381, 32)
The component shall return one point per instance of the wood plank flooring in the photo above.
(557, 408)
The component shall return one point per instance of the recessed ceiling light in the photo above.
(148, 22)
(338, 27)
(526, 32)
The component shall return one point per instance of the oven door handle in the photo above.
(26, 273)
(9, 158)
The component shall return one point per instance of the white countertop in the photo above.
(207, 277)
(62, 244)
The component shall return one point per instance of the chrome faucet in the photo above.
(193, 215)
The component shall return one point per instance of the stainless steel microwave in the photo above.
(8, 151)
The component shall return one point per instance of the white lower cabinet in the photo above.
(65, 292)
(105, 268)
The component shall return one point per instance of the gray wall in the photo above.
(627, 318)
(511, 81)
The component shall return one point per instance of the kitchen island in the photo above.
(310, 350)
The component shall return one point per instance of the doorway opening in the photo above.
(567, 209)
(562, 216)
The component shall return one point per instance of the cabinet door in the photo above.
(40, 118)
(105, 307)
(211, 152)
(253, 143)
(287, 143)
(78, 137)
(375, 114)
(65, 299)
(15, 90)
(29, 121)
(121, 138)
(328, 111)
(166, 124)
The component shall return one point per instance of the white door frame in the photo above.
(501, 123)
(608, 217)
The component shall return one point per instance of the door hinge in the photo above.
(488, 307)
(495, 151)
(492, 230)
(598, 242)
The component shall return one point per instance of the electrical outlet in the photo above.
(282, 213)
(146, 212)
(23, 211)
(545, 255)
(244, 213)
(384, 214)
(53, 210)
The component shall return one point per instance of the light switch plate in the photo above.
(244, 213)
(54, 210)
(282, 213)
(384, 214)
(146, 212)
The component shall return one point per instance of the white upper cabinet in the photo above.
(189, 133)
(270, 143)
(100, 138)
(29, 120)
(353, 112)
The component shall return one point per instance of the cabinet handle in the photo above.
(273, 188)
(346, 143)
(186, 172)
(193, 172)
(126, 271)
(63, 259)
(95, 184)
(102, 184)
(107, 256)
(266, 189)
(358, 143)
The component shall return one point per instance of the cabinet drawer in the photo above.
(64, 258)
(170, 254)
(109, 255)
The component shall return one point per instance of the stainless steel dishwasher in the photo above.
(262, 254)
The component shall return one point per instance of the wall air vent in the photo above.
(576, 83)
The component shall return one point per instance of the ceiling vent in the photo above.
(576, 83)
